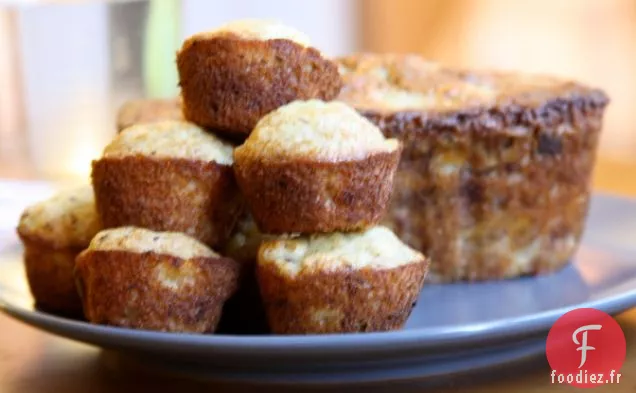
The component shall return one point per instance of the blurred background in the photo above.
(66, 66)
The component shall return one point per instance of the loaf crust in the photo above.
(494, 180)
(228, 83)
(340, 301)
(307, 196)
(200, 199)
(155, 291)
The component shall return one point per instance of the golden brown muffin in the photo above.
(312, 166)
(499, 162)
(168, 176)
(167, 281)
(53, 233)
(232, 76)
(244, 313)
(148, 111)
(339, 283)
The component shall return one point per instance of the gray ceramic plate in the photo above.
(454, 328)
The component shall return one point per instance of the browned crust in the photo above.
(121, 288)
(198, 198)
(49, 272)
(303, 196)
(489, 120)
(229, 83)
(479, 205)
(517, 102)
(543, 137)
(349, 300)
(148, 111)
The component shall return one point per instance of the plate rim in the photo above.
(416, 339)
(413, 371)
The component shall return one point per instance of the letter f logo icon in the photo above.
(583, 344)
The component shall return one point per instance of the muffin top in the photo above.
(377, 247)
(139, 240)
(148, 111)
(396, 82)
(255, 29)
(318, 130)
(170, 139)
(68, 219)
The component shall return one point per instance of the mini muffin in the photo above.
(168, 176)
(148, 111)
(232, 76)
(312, 166)
(244, 313)
(53, 233)
(338, 283)
(167, 281)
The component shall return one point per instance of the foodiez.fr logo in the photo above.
(586, 348)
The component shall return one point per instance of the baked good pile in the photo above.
(290, 193)
(251, 203)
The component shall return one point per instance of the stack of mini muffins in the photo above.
(288, 186)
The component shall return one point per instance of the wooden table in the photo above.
(35, 362)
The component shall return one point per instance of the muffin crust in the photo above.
(168, 177)
(230, 79)
(199, 199)
(376, 247)
(316, 130)
(338, 283)
(328, 186)
(140, 279)
(140, 240)
(53, 232)
(68, 219)
(170, 139)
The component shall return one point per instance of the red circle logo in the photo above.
(586, 348)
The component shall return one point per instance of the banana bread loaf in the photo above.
(494, 179)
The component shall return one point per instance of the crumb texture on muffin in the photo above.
(390, 82)
(170, 139)
(68, 219)
(377, 247)
(256, 29)
(139, 240)
(314, 129)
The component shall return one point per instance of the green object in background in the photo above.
(160, 45)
